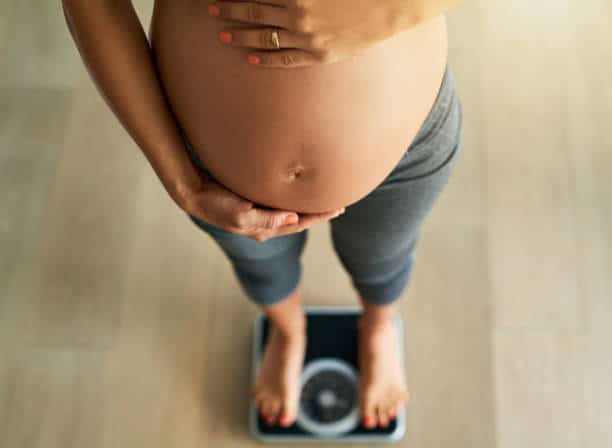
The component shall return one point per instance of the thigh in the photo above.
(386, 223)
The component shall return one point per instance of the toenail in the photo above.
(368, 422)
(285, 420)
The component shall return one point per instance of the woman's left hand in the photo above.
(312, 31)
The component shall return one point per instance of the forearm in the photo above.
(115, 50)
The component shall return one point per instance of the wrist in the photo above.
(176, 173)
(183, 188)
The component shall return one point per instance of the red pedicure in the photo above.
(285, 419)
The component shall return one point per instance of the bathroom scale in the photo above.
(329, 407)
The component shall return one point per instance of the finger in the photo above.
(305, 222)
(313, 218)
(257, 218)
(282, 58)
(262, 38)
(251, 12)
(308, 220)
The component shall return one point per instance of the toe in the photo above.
(274, 408)
(259, 404)
(266, 410)
(392, 411)
(368, 413)
(383, 418)
(289, 410)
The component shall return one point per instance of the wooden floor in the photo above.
(114, 307)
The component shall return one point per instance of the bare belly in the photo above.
(307, 139)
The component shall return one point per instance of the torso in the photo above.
(307, 139)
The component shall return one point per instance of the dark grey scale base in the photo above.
(329, 402)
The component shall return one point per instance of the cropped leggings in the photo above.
(376, 237)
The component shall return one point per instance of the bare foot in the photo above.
(277, 387)
(383, 386)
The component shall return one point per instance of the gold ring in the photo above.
(274, 38)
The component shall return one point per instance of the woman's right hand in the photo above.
(217, 205)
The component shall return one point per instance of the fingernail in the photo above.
(225, 37)
(253, 59)
(290, 219)
(213, 10)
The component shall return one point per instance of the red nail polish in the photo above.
(213, 10)
(225, 37)
(253, 59)
(284, 419)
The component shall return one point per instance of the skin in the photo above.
(342, 126)
(323, 32)
(123, 71)
(318, 31)
(382, 385)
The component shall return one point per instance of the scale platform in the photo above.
(329, 406)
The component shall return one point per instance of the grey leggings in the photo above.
(375, 238)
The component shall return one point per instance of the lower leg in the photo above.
(383, 386)
(376, 314)
(276, 389)
(287, 315)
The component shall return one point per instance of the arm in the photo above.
(116, 53)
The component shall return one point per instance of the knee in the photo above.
(374, 256)
(385, 286)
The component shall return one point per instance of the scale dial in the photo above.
(329, 397)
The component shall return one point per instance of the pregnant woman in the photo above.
(262, 119)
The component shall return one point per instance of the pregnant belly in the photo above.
(307, 139)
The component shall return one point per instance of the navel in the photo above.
(294, 172)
